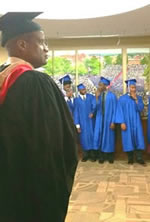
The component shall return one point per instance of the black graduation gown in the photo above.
(38, 155)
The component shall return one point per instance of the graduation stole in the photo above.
(10, 74)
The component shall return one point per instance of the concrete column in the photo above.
(76, 68)
(53, 55)
(3, 55)
(124, 68)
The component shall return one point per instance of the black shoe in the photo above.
(93, 159)
(109, 157)
(101, 160)
(130, 157)
(84, 159)
(111, 161)
(92, 155)
(141, 161)
(130, 162)
(101, 157)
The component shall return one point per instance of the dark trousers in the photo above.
(90, 154)
(138, 155)
(85, 154)
(106, 156)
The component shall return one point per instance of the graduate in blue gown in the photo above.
(68, 92)
(129, 108)
(66, 83)
(148, 128)
(84, 122)
(70, 100)
(104, 106)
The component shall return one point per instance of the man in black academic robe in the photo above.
(38, 155)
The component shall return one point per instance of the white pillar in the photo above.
(124, 68)
(3, 55)
(76, 68)
(53, 55)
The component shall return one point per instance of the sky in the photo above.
(73, 9)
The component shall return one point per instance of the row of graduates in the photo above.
(96, 116)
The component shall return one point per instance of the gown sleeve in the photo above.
(95, 104)
(76, 113)
(139, 104)
(114, 101)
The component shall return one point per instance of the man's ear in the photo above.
(22, 44)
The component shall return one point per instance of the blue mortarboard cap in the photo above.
(65, 79)
(130, 82)
(81, 86)
(104, 81)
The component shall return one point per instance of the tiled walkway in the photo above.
(110, 193)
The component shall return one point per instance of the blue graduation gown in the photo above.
(128, 112)
(104, 136)
(81, 116)
(70, 104)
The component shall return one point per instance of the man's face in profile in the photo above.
(37, 49)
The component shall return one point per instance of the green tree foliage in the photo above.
(119, 59)
(61, 66)
(146, 61)
(107, 60)
(93, 65)
(132, 55)
(82, 70)
(48, 67)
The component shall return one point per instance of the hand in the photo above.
(79, 130)
(112, 126)
(134, 96)
(97, 93)
(91, 115)
(123, 126)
